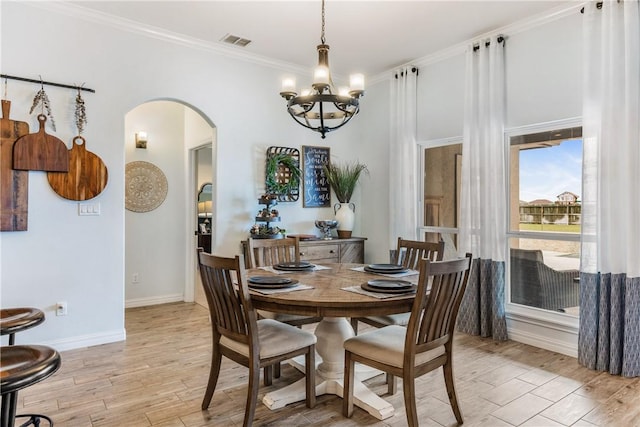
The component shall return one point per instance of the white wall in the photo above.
(543, 80)
(81, 260)
(544, 72)
(154, 240)
(441, 99)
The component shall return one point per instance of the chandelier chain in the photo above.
(322, 39)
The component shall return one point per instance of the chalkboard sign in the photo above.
(316, 189)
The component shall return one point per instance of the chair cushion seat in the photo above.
(401, 319)
(24, 365)
(275, 338)
(386, 345)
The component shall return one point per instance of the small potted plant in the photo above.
(343, 179)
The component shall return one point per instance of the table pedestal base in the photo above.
(363, 397)
(331, 333)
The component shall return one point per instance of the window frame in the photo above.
(544, 317)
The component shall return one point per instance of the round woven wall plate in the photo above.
(145, 186)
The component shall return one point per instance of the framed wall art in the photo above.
(315, 186)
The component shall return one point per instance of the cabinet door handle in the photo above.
(332, 251)
(302, 254)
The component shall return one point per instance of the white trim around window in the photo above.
(541, 328)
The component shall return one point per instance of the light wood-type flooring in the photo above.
(158, 376)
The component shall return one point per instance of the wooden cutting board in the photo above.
(40, 151)
(87, 175)
(14, 185)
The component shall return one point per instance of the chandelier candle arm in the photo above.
(322, 108)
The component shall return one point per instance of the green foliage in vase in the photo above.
(343, 178)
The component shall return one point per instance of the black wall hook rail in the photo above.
(24, 79)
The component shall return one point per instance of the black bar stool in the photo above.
(18, 319)
(14, 320)
(22, 366)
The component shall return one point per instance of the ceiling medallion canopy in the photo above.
(323, 108)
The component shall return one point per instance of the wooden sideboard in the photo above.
(349, 250)
(336, 250)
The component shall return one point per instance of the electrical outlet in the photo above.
(61, 308)
(135, 278)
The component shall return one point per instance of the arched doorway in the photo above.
(160, 242)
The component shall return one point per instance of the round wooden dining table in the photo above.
(328, 299)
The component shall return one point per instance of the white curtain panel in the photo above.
(610, 266)
(483, 206)
(403, 156)
(483, 210)
(611, 135)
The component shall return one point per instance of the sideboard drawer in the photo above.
(324, 252)
(321, 251)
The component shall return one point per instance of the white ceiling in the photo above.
(370, 37)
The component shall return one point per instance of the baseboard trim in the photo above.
(532, 332)
(143, 302)
(82, 341)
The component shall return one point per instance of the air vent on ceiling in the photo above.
(235, 40)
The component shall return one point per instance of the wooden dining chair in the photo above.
(266, 252)
(408, 254)
(240, 336)
(424, 345)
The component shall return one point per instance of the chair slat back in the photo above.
(229, 304)
(264, 252)
(434, 311)
(410, 252)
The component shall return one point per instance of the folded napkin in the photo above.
(381, 295)
(298, 287)
(270, 269)
(394, 275)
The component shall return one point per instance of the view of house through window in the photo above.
(545, 217)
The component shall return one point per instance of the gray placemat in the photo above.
(395, 276)
(298, 287)
(358, 290)
(270, 269)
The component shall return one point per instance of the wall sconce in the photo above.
(141, 140)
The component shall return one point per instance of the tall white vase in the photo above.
(346, 216)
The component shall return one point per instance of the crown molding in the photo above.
(158, 33)
(195, 43)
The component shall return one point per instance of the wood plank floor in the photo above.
(158, 376)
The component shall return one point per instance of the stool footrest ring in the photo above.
(34, 420)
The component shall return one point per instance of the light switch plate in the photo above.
(88, 209)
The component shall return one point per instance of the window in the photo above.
(544, 236)
(440, 207)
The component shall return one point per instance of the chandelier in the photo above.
(322, 108)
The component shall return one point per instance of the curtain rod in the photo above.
(476, 47)
(413, 70)
(24, 79)
(598, 5)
